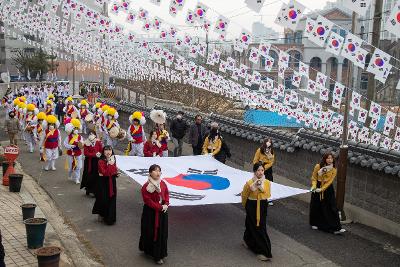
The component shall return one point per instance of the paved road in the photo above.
(211, 235)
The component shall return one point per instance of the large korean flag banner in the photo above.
(393, 23)
(198, 180)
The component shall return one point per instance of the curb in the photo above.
(75, 251)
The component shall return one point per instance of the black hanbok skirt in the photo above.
(155, 248)
(89, 179)
(323, 212)
(105, 205)
(268, 174)
(256, 237)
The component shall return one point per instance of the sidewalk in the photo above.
(13, 228)
(58, 233)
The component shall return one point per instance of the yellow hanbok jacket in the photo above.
(259, 194)
(267, 161)
(215, 146)
(326, 179)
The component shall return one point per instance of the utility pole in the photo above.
(344, 147)
(376, 34)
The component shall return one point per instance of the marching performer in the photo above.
(38, 131)
(21, 117)
(51, 97)
(74, 144)
(50, 143)
(111, 127)
(101, 120)
(30, 124)
(160, 117)
(70, 110)
(136, 135)
(83, 112)
(49, 107)
(92, 151)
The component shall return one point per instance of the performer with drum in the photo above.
(83, 113)
(112, 128)
(70, 110)
(160, 117)
(38, 130)
(74, 145)
(50, 142)
(30, 123)
(136, 135)
(49, 107)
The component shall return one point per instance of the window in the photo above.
(3, 49)
(364, 81)
(1, 36)
(342, 33)
(295, 57)
(316, 63)
(262, 62)
(275, 56)
(288, 82)
(289, 38)
(298, 36)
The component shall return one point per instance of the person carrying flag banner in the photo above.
(74, 144)
(136, 135)
(50, 142)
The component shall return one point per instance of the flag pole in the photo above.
(344, 148)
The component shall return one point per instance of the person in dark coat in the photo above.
(197, 133)
(106, 193)
(154, 222)
(59, 110)
(178, 129)
(92, 151)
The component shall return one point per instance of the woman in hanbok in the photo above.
(255, 196)
(154, 222)
(92, 151)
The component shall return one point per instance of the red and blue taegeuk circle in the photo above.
(379, 62)
(320, 30)
(351, 47)
(292, 14)
(199, 181)
(335, 43)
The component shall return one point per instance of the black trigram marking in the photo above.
(188, 197)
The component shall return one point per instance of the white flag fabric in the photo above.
(318, 31)
(352, 50)
(393, 22)
(358, 6)
(290, 15)
(335, 43)
(198, 180)
(379, 65)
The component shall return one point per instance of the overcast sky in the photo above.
(235, 10)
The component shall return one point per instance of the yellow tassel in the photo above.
(66, 162)
(258, 216)
(128, 149)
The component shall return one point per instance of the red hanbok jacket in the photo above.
(149, 149)
(108, 171)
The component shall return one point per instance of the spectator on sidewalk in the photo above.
(12, 128)
(154, 229)
(60, 110)
(178, 129)
(324, 214)
(2, 253)
(106, 197)
(255, 196)
(197, 132)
